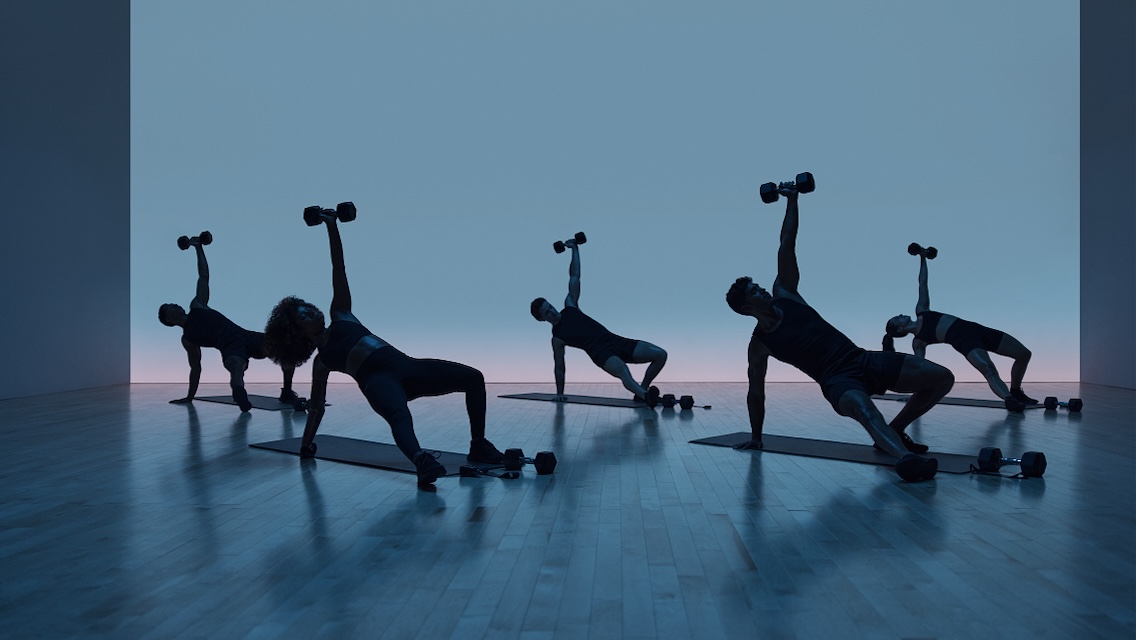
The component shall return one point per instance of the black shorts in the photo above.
(872, 372)
(966, 336)
(250, 345)
(618, 346)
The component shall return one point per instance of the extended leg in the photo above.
(430, 377)
(980, 359)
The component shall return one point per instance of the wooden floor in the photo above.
(123, 516)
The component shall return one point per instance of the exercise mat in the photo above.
(258, 402)
(597, 400)
(376, 455)
(961, 402)
(865, 453)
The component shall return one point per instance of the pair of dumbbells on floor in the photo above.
(1052, 404)
(515, 460)
(1032, 463)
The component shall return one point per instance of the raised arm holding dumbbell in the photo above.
(610, 352)
(974, 341)
(206, 327)
(388, 378)
(789, 329)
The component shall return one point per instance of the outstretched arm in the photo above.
(202, 297)
(193, 353)
(924, 303)
(340, 291)
(755, 398)
(558, 367)
(788, 275)
(315, 408)
(573, 299)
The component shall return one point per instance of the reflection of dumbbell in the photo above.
(544, 462)
(1074, 405)
(916, 250)
(1032, 462)
(686, 403)
(186, 242)
(803, 184)
(471, 471)
(580, 239)
(344, 212)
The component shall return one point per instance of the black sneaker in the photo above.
(482, 451)
(1020, 396)
(1014, 405)
(428, 467)
(289, 397)
(913, 468)
(242, 398)
(912, 446)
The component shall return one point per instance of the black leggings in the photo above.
(389, 379)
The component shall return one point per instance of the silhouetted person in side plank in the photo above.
(572, 327)
(972, 340)
(791, 331)
(206, 327)
(388, 378)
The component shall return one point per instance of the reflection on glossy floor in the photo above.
(123, 516)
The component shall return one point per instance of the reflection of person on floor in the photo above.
(388, 378)
(572, 327)
(205, 327)
(972, 340)
(791, 331)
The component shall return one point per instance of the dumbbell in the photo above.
(186, 242)
(686, 403)
(344, 212)
(580, 239)
(916, 250)
(1075, 405)
(804, 183)
(1032, 462)
(544, 462)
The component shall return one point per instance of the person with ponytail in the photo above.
(974, 341)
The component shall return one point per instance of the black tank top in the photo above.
(929, 329)
(205, 327)
(806, 341)
(579, 330)
(341, 337)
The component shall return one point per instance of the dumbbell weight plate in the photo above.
(1075, 405)
(345, 211)
(990, 459)
(183, 244)
(805, 182)
(932, 253)
(686, 403)
(1033, 464)
(312, 215)
(545, 462)
(1050, 403)
(914, 248)
(581, 238)
(769, 193)
(205, 238)
(514, 459)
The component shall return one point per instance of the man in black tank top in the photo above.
(205, 327)
(793, 332)
(610, 352)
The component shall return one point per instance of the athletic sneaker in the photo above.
(242, 398)
(912, 446)
(1014, 405)
(484, 452)
(428, 467)
(290, 397)
(913, 468)
(1021, 396)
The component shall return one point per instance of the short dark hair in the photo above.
(164, 313)
(736, 296)
(285, 342)
(534, 308)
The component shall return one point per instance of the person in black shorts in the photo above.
(206, 327)
(572, 327)
(793, 332)
(388, 378)
(974, 341)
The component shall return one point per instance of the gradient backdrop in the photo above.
(472, 135)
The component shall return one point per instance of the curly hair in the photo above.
(534, 308)
(285, 342)
(736, 296)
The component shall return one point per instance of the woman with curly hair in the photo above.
(388, 378)
(972, 340)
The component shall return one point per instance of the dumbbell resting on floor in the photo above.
(804, 183)
(186, 242)
(928, 252)
(1075, 405)
(344, 212)
(560, 245)
(1032, 462)
(545, 461)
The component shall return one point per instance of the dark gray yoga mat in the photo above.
(258, 402)
(376, 455)
(605, 402)
(961, 402)
(866, 453)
